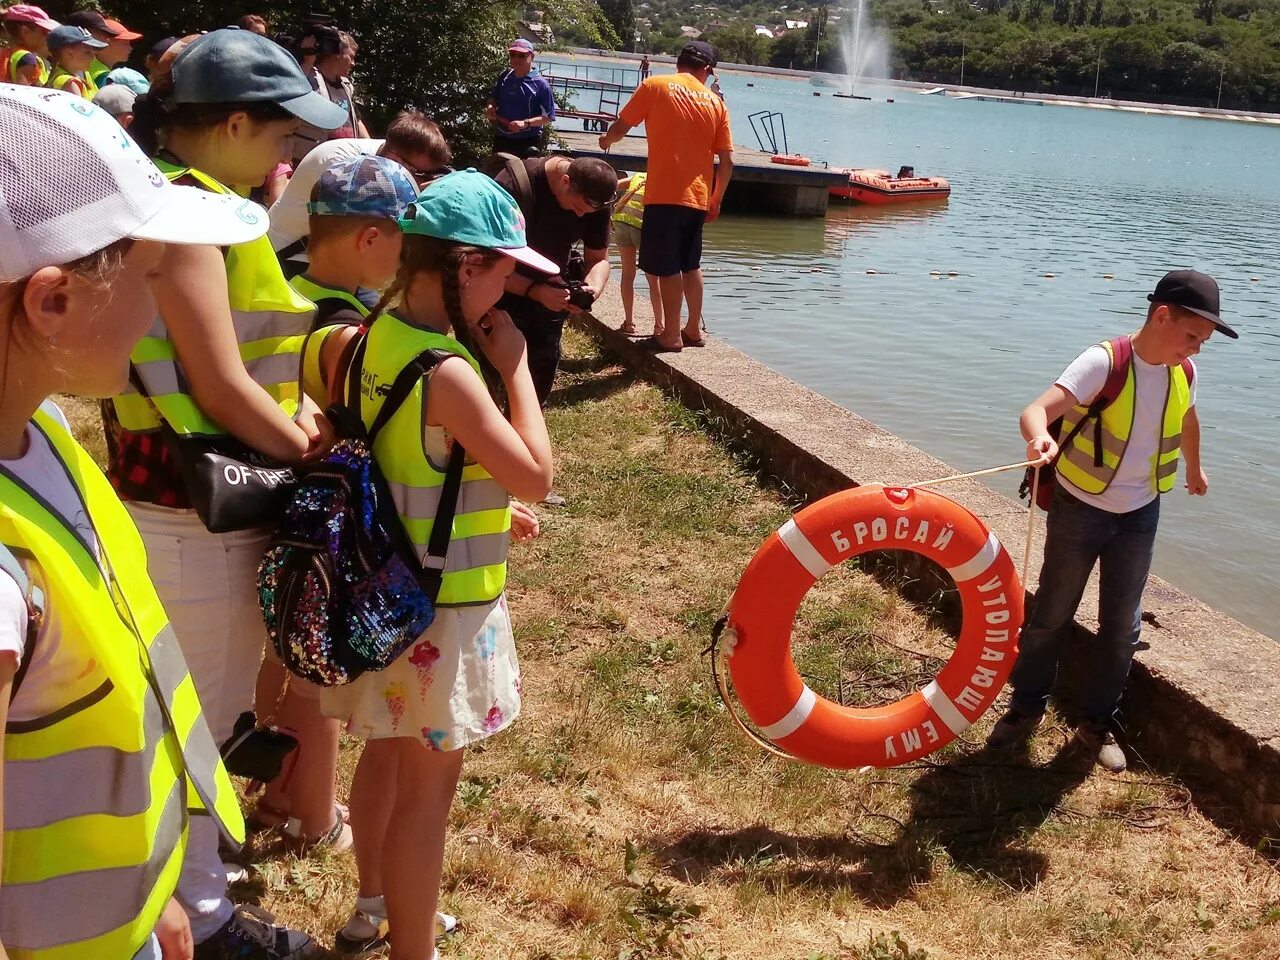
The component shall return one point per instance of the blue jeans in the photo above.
(1079, 536)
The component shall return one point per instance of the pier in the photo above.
(757, 185)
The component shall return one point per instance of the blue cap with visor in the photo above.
(363, 187)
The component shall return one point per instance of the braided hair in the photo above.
(422, 254)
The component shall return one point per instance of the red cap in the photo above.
(120, 31)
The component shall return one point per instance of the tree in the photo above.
(440, 57)
(1062, 11)
(622, 18)
(1035, 8)
(1080, 13)
(1206, 10)
(1015, 11)
(1095, 18)
(740, 43)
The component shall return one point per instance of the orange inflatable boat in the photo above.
(882, 187)
(757, 630)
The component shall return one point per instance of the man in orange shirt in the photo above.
(688, 127)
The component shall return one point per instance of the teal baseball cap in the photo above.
(469, 207)
(237, 66)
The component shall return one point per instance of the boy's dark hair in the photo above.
(593, 178)
(414, 132)
(251, 20)
(1179, 313)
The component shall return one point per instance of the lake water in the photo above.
(948, 363)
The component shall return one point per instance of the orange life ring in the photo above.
(790, 159)
(829, 532)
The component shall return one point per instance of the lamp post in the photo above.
(1222, 72)
(1097, 74)
(962, 48)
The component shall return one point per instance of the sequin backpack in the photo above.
(341, 587)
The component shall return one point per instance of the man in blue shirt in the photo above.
(521, 105)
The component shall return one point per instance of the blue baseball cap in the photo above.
(237, 66)
(128, 77)
(66, 36)
(469, 207)
(363, 187)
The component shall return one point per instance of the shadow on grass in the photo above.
(595, 376)
(598, 387)
(976, 810)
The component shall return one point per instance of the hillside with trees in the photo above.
(1175, 51)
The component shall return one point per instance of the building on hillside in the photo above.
(796, 24)
(763, 31)
(534, 28)
(693, 33)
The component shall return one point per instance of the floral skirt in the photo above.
(457, 685)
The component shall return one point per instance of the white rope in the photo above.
(1031, 508)
(975, 473)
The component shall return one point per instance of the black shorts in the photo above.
(671, 239)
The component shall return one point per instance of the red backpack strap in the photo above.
(1189, 369)
(1121, 361)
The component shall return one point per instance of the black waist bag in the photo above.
(231, 485)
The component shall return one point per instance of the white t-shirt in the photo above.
(289, 218)
(41, 470)
(1133, 486)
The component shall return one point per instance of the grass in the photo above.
(624, 817)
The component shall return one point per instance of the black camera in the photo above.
(316, 36)
(579, 296)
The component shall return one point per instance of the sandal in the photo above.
(366, 934)
(657, 346)
(690, 341)
(267, 816)
(627, 330)
(337, 839)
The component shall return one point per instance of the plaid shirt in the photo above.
(141, 467)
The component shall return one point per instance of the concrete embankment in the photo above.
(1202, 698)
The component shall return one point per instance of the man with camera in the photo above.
(335, 58)
(564, 200)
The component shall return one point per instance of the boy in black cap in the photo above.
(1127, 409)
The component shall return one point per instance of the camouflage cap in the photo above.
(363, 187)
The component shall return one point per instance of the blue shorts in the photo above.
(671, 239)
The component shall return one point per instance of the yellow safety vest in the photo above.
(1078, 462)
(476, 565)
(97, 71)
(11, 68)
(328, 300)
(630, 208)
(271, 321)
(60, 78)
(98, 791)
